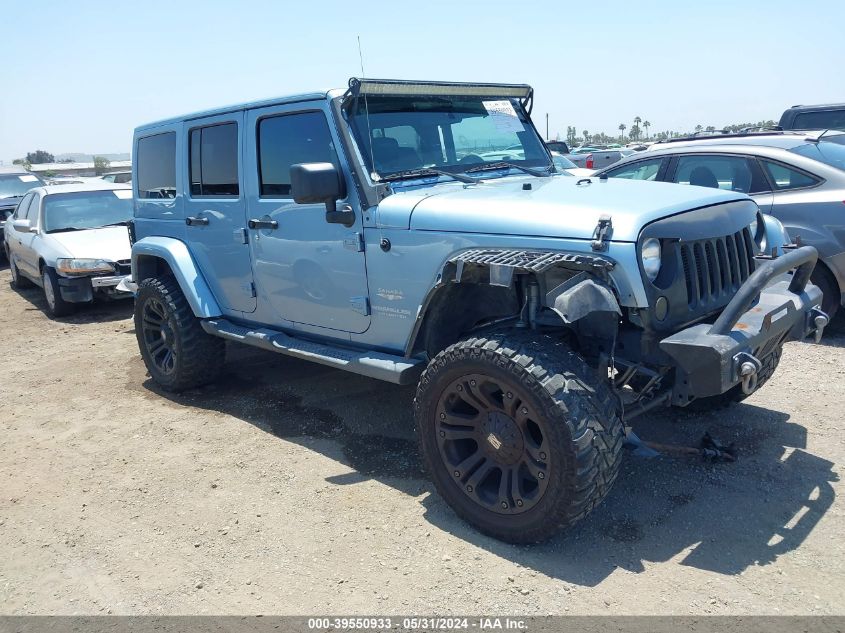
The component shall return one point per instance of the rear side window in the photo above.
(639, 170)
(214, 160)
(23, 207)
(821, 120)
(732, 173)
(156, 159)
(784, 178)
(288, 140)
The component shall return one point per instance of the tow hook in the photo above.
(820, 320)
(748, 369)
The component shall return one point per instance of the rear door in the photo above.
(27, 258)
(215, 208)
(14, 237)
(309, 271)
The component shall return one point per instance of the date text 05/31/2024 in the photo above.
(416, 623)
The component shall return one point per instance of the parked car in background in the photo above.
(73, 241)
(15, 182)
(119, 177)
(527, 307)
(829, 116)
(565, 165)
(558, 146)
(797, 177)
(590, 158)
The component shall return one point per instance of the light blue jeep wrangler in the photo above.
(379, 230)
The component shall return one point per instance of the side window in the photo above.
(214, 160)
(785, 178)
(123, 178)
(639, 170)
(732, 173)
(289, 139)
(109, 178)
(156, 161)
(22, 208)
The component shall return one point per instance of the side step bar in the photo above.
(395, 369)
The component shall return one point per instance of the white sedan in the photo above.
(73, 241)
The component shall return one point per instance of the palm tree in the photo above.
(586, 136)
(646, 125)
(637, 121)
(622, 127)
(698, 128)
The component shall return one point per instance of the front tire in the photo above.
(56, 306)
(519, 435)
(178, 353)
(831, 296)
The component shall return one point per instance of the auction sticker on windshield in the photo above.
(123, 194)
(27, 178)
(504, 116)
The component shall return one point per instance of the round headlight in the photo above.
(650, 255)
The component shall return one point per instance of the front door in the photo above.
(308, 271)
(215, 209)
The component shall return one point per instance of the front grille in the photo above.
(123, 266)
(715, 268)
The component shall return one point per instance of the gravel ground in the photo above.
(290, 488)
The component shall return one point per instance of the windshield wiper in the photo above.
(121, 223)
(430, 171)
(503, 163)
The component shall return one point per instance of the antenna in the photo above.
(374, 175)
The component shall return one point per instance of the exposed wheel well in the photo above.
(148, 266)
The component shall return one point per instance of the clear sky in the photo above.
(79, 76)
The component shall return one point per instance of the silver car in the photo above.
(797, 177)
(73, 241)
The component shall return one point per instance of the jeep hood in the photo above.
(552, 207)
(110, 242)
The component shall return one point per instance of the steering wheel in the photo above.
(471, 159)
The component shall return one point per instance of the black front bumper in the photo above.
(770, 308)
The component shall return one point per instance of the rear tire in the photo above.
(518, 434)
(178, 353)
(56, 306)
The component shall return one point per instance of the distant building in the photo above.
(79, 169)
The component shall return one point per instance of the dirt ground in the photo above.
(290, 488)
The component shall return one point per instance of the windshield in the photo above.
(15, 185)
(86, 209)
(832, 154)
(408, 134)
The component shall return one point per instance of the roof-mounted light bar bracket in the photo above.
(397, 87)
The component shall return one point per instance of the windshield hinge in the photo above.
(602, 233)
(354, 242)
(361, 305)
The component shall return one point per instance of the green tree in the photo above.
(586, 136)
(646, 125)
(622, 127)
(637, 121)
(39, 157)
(698, 128)
(101, 165)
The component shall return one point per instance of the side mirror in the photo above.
(312, 183)
(22, 226)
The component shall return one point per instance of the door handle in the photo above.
(262, 224)
(191, 221)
